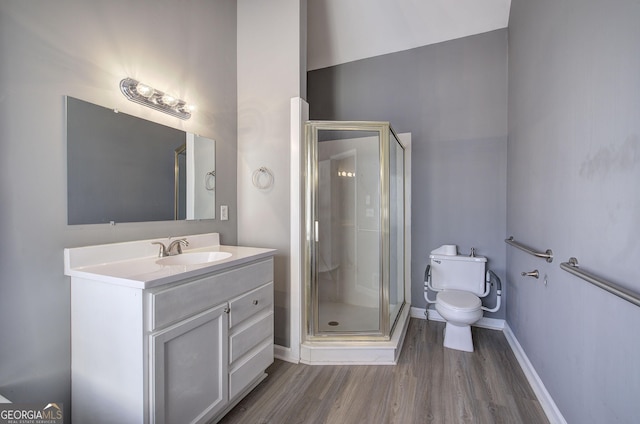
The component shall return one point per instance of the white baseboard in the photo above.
(546, 401)
(418, 313)
(284, 354)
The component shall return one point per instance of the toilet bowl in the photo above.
(459, 309)
(459, 281)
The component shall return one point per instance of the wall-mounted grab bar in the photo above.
(548, 255)
(572, 267)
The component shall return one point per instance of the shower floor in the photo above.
(342, 317)
(346, 350)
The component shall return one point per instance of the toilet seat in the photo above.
(459, 300)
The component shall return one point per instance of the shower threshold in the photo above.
(348, 352)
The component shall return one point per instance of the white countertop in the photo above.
(134, 264)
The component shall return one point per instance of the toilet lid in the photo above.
(459, 300)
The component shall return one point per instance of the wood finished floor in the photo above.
(430, 384)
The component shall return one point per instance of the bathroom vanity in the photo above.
(167, 340)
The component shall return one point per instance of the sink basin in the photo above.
(194, 258)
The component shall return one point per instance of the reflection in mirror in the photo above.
(180, 182)
(121, 168)
(201, 172)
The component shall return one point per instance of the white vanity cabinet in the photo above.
(181, 352)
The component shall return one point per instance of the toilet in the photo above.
(459, 281)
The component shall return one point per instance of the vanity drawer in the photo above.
(177, 302)
(250, 369)
(247, 338)
(251, 303)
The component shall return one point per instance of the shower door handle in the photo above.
(316, 224)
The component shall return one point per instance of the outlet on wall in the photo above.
(224, 213)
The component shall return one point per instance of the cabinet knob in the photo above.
(255, 302)
(227, 310)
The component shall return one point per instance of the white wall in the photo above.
(201, 180)
(573, 173)
(270, 46)
(83, 48)
(344, 31)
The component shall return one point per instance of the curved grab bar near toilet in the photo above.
(490, 275)
(427, 284)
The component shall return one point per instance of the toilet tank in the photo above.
(453, 271)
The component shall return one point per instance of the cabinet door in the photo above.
(188, 375)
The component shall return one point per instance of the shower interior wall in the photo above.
(351, 228)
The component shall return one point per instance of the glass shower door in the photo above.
(348, 294)
(355, 231)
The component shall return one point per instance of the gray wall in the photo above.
(573, 173)
(452, 98)
(83, 49)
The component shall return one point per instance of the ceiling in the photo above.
(341, 31)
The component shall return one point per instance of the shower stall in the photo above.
(356, 265)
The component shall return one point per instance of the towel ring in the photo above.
(262, 178)
(210, 180)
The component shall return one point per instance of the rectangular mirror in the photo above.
(121, 168)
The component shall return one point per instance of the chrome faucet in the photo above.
(175, 248)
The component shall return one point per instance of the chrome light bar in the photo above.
(155, 99)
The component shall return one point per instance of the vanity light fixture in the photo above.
(155, 99)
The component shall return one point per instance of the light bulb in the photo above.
(186, 108)
(144, 90)
(169, 100)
